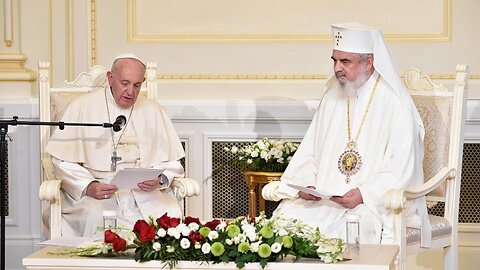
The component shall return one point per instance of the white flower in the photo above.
(251, 235)
(185, 243)
(161, 232)
(222, 226)
(264, 155)
(193, 226)
(156, 246)
(277, 154)
(228, 241)
(173, 232)
(212, 235)
(261, 145)
(276, 247)
(170, 249)
(282, 232)
(249, 161)
(254, 154)
(206, 248)
(327, 258)
(254, 246)
(183, 229)
(197, 245)
(239, 238)
(234, 150)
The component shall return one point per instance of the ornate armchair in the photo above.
(443, 114)
(53, 102)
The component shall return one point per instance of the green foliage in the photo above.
(243, 240)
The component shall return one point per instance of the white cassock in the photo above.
(83, 154)
(390, 145)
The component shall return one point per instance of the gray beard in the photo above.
(350, 88)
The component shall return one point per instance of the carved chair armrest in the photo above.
(395, 200)
(50, 187)
(185, 187)
(50, 190)
(269, 191)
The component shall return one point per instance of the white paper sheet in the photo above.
(314, 192)
(129, 178)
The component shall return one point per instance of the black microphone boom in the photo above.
(119, 123)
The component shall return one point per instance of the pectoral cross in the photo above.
(115, 158)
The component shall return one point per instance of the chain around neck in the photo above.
(115, 145)
(364, 114)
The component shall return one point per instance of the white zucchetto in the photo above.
(129, 56)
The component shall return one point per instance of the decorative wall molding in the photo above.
(238, 76)
(12, 68)
(297, 76)
(190, 36)
(93, 32)
(8, 22)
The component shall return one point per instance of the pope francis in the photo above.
(86, 158)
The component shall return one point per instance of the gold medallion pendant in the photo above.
(349, 162)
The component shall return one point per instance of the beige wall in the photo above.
(224, 49)
(230, 49)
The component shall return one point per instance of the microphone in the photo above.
(119, 123)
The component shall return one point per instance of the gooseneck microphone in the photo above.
(119, 123)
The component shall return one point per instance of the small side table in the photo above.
(258, 179)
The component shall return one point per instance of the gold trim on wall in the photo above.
(70, 39)
(93, 32)
(239, 76)
(8, 22)
(133, 37)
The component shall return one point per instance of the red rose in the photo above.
(190, 219)
(195, 237)
(167, 222)
(110, 236)
(119, 244)
(139, 226)
(147, 234)
(213, 224)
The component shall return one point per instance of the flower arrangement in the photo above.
(266, 155)
(243, 240)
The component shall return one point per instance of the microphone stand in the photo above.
(3, 157)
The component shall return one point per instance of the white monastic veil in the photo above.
(358, 38)
(383, 61)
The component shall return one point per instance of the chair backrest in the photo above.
(52, 102)
(443, 114)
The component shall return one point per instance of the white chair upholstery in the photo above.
(443, 113)
(53, 102)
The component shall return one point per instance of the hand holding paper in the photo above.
(316, 193)
(129, 178)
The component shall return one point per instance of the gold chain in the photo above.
(364, 114)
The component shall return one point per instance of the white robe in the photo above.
(83, 154)
(390, 145)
